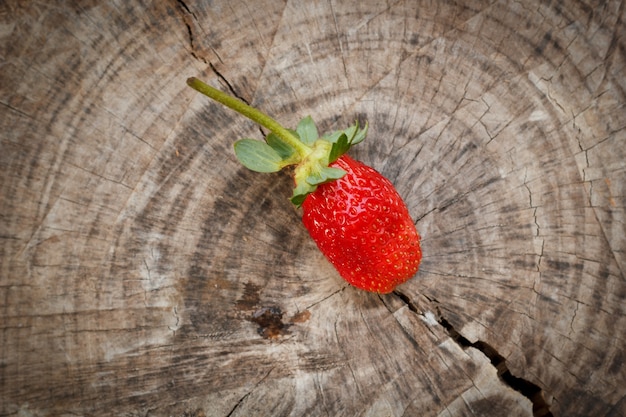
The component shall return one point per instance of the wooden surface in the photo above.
(145, 273)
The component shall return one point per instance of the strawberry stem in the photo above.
(251, 113)
(303, 147)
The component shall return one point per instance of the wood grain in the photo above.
(144, 272)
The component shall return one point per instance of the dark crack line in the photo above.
(407, 300)
(232, 90)
(184, 6)
(415, 309)
(325, 298)
(242, 399)
(228, 84)
(521, 385)
(528, 389)
(16, 110)
(187, 12)
(194, 50)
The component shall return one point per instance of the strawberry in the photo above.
(354, 214)
(363, 227)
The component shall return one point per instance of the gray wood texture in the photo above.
(144, 272)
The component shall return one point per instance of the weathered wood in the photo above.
(144, 272)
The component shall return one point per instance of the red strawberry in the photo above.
(354, 214)
(363, 227)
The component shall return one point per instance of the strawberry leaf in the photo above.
(359, 134)
(351, 131)
(281, 147)
(339, 147)
(324, 175)
(300, 192)
(258, 156)
(293, 132)
(307, 131)
(333, 137)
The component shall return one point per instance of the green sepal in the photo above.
(342, 140)
(283, 149)
(307, 131)
(300, 192)
(351, 131)
(339, 147)
(325, 174)
(258, 156)
(333, 137)
(356, 135)
(293, 132)
(359, 134)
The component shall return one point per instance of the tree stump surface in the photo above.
(144, 272)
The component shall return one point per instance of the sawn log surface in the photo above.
(144, 272)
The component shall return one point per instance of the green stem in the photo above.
(251, 113)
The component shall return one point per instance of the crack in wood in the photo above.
(232, 90)
(247, 394)
(228, 84)
(410, 304)
(325, 298)
(187, 12)
(527, 388)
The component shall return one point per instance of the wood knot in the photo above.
(270, 321)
